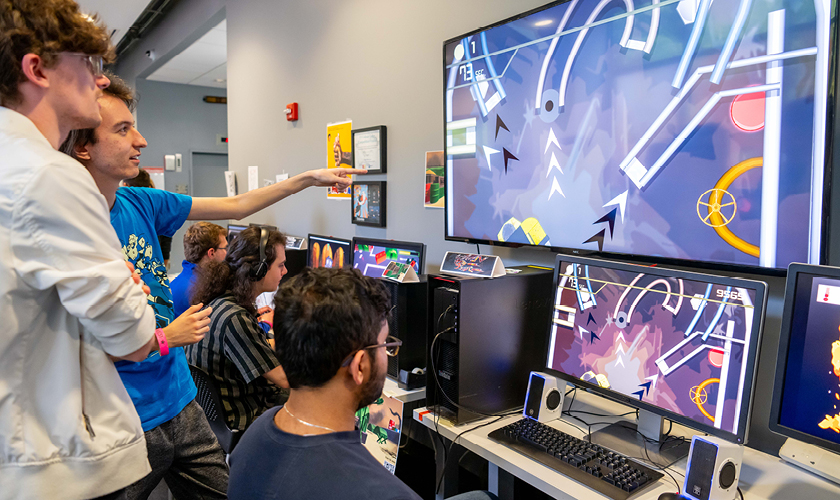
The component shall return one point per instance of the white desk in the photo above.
(393, 389)
(762, 476)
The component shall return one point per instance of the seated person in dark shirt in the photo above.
(331, 335)
(236, 351)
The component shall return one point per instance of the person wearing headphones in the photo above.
(237, 352)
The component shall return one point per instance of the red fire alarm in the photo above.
(292, 112)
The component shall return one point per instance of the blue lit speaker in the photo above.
(544, 400)
(713, 469)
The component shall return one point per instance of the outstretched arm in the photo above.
(241, 206)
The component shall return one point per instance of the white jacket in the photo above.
(66, 298)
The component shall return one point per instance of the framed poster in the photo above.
(369, 149)
(339, 154)
(368, 205)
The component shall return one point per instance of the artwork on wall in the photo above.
(369, 149)
(339, 154)
(435, 180)
(368, 207)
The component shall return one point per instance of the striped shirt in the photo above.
(235, 353)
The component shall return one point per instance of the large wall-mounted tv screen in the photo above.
(672, 129)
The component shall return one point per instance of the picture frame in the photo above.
(370, 149)
(368, 201)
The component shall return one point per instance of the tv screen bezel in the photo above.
(794, 270)
(760, 288)
(834, 36)
(404, 245)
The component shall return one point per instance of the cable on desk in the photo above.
(739, 492)
(443, 472)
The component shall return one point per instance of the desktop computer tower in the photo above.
(407, 322)
(485, 337)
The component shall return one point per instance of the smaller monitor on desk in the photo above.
(682, 345)
(326, 251)
(234, 230)
(806, 393)
(372, 256)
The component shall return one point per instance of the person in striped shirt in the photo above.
(236, 352)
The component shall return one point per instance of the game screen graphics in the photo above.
(684, 129)
(372, 260)
(328, 252)
(678, 344)
(811, 398)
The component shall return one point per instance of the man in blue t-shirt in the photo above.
(331, 337)
(203, 242)
(181, 446)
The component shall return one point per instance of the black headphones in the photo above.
(261, 270)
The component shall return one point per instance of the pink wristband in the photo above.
(162, 345)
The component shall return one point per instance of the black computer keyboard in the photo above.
(606, 471)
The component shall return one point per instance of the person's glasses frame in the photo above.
(94, 63)
(392, 348)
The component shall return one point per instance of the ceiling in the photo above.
(202, 63)
(118, 15)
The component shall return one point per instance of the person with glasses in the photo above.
(332, 339)
(204, 242)
(67, 300)
(237, 352)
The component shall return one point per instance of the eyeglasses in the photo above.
(221, 248)
(95, 63)
(392, 347)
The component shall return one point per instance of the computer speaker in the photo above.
(713, 469)
(544, 400)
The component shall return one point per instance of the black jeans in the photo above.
(184, 452)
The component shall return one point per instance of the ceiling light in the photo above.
(545, 22)
(220, 80)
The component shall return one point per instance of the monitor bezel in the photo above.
(760, 288)
(794, 271)
(241, 228)
(309, 246)
(405, 245)
(831, 102)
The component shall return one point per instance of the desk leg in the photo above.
(499, 482)
(448, 469)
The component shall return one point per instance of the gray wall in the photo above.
(377, 62)
(174, 119)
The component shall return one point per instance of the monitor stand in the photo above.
(812, 458)
(626, 438)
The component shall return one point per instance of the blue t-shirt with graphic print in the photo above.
(159, 386)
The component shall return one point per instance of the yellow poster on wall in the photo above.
(339, 154)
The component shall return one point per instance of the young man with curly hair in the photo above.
(68, 428)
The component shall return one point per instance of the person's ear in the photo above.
(33, 68)
(210, 253)
(358, 367)
(81, 152)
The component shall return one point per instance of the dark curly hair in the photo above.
(320, 317)
(45, 28)
(235, 273)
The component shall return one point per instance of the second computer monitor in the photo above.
(372, 256)
(679, 344)
(806, 394)
(326, 251)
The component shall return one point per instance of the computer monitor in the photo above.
(682, 345)
(326, 251)
(234, 230)
(806, 394)
(372, 256)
